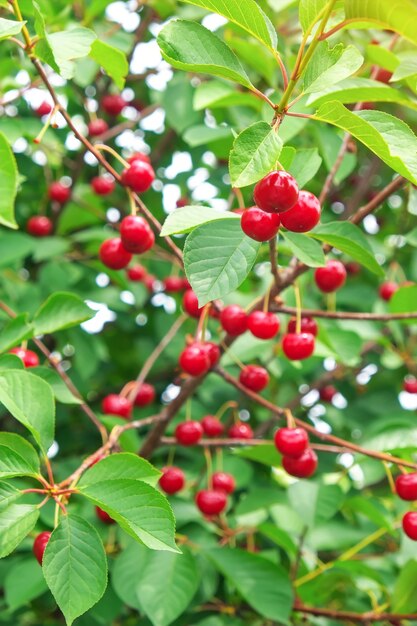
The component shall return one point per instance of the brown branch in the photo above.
(233, 443)
(273, 260)
(344, 315)
(372, 616)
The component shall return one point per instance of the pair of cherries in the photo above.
(173, 480)
(28, 357)
(298, 459)
(197, 358)
(406, 488)
(41, 225)
(262, 324)
(189, 433)
(114, 404)
(136, 237)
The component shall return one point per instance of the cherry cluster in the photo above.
(406, 489)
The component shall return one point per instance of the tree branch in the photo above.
(344, 315)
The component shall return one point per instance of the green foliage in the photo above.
(8, 183)
(255, 153)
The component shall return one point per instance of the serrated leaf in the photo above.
(61, 392)
(8, 183)
(301, 246)
(112, 60)
(16, 521)
(329, 66)
(305, 165)
(8, 494)
(397, 15)
(59, 311)
(75, 566)
(309, 11)
(255, 153)
(404, 596)
(24, 582)
(8, 28)
(17, 457)
(61, 49)
(15, 331)
(185, 219)
(217, 257)
(121, 465)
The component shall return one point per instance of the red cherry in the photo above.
(113, 404)
(327, 393)
(113, 104)
(331, 277)
(97, 127)
(185, 283)
(136, 273)
(136, 234)
(149, 282)
(172, 480)
(303, 466)
(222, 481)
(234, 320)
(410, 525)
(254, 377)
(211, 502)
(298, 346)
(113, 254)
(212, 426)
(40, 544)
(146, 395)
(139, 156)
(59, 192)
(387, 290)
(410, 384)
(291, 442)
(259, 225)
(308, 325)
(212, 351)
(29, 358)
(103, 516)
(173, 284)
(382, 75)
(353, 268)
(406, 486)
(39, 226)
(181, 202)
(139, 176)
(190, 304)
(263, 325)
(194, 360)
(276, 193)
(102, 186)
(240, 431)
(304, 215)
(188, 433)
(44, 109)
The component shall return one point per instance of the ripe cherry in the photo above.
(181, 202)
(113, 104)
(327, 393)
(406, 486)
(136, 273)
(172, 480)
(259, 225)
(146, 395)
(254, 377)
(263, 325)
(97, 127)
(276, 192)
(211, 502)
(43, 109)
(308, 325)
(190, 304)
(304, 215)
(173, 284)
(40, 544)
(113, 404)
(292, 442)
(59, 192)
(331, 277)
(382, 75)
(303, 466)
(102, 186)
(136, 234)
(39, 226)
(150, 282)
(194, 360)
(240, 431)
(410, 525)
(222, 481)
(212, 426)
(139, 176)
(188, 433)
(213, 352)
(410, 384)
(234, 320)
(113, 254)
(298, 346)
(353, 268)
(103, 516)
(387, 290)
(139, 156)
(29, 358)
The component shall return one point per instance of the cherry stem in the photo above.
(219, 459)
(265, 307)
(231, 404)
(104, 148)
(389, 476)
(232, 356)
(331, 302)
(188, 412)
(171, 456)
(132, 204)
(297, 295)
(202, 323)
(209, 464)
(239, 196)
(290, 418)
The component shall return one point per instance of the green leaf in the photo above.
(17, 457)
(309, 12)
(387, 136)
(127, 571)
(24, 582)
(60, 49)
(185, 219)
(404, 597)
(142, 511)
(30, 400)
(248, 15)
(404, 301)
(265, 453)
(61, 392)
(305, 165)
(304, 248)
(8, 183)
(75, 566)
(122, 465)
(261, 583)
(349, 239)
(215, 94)
(201, 135)
(59, 311)
(8, 494)
(16, 330)
(315, 502)
(230, 252)
(255, 153)
(16, 521)
(191, 47)
(112, 60)
(407, 67)
(8, 28)
(397, 15)
(329, 66)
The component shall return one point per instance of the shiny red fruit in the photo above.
(298, 346)
(102, 186)
(44, 109)
(254, 377)
(234, 320)
(291, 442)
(303, 466)
(181, 202)
(331, 277)
(139, 176)
(190, 304)
(172, 480)
(149, 282)
(40, 544)
(263, 325)
(382, 75)
(308, 325)
(136, 234)
(409, 524)
(387, 290)
(211, 502)
(59, 192)
(327, 393)
(113, 254)
(29, 358)
(194, 360)
(173, 284)
(139, 156)
(39, 226)
(410, 384)
(212, 426)
(406, 486)
(353, 268)
(113, 104)
(276, 193)
(146, 395)
(113, 404)
(259, 225)
(104, 517)
(97, 127)
(212, 351)
(136, 273)
(304, 215)
(188, 433)
(222, 481)
(240, 431)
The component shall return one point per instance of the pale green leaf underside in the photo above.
(8, 183)
(305, 249)
(9, 28)
(309, 11)
(331, 65)
(255, 153)
(112, 60)
(122, 465)
(397, 15)
(186, 218)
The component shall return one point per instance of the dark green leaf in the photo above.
(122, 465)
(8, 183)
(15, 331)
(17, 457)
